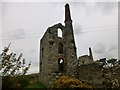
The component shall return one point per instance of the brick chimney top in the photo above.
(67, 13)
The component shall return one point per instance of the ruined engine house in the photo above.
(58, 52)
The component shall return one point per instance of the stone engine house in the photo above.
(58, 53)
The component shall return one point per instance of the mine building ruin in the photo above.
(58, 52)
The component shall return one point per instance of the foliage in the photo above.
(11, 65)
(22, 82)
(13, 69)
(15, 82)
(36, 85)
(112, 61)
(69, 82)
(109, 63)
(110, 83)
(103, 61)
(109, 80)
(9, 83)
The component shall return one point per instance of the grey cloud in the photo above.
(102, 7)
(100, 48)
(108, 51)
(106, 7)
(77, 29)
(35, 63)
(112, 48)
(75, 4)
(33, 51)
(17, 34)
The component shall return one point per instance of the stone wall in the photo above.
(99, 77)
(91, 73)
(84, 60)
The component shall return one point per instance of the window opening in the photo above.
(59, 32)
(51, 42)
(60, 48)
(61, 64)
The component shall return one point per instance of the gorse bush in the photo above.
(69, 82)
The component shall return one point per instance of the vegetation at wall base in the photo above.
(36, 85)
(21, 82)
(69, 82)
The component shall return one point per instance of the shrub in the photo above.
(9, 82)
(69, 82)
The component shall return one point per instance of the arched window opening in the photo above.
(59, 32)
(60, 48)
(61, 64)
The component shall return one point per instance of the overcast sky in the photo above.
(95, 25)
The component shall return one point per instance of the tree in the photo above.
(112, 61)
(11, 65)
(103, 61)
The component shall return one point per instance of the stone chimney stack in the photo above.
(67, 13)
(90, 53)
(69, 44)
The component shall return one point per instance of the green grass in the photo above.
(36, 85)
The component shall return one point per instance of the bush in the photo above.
(23, 81)
(15, 82)
(9, 82)
(69, 82)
